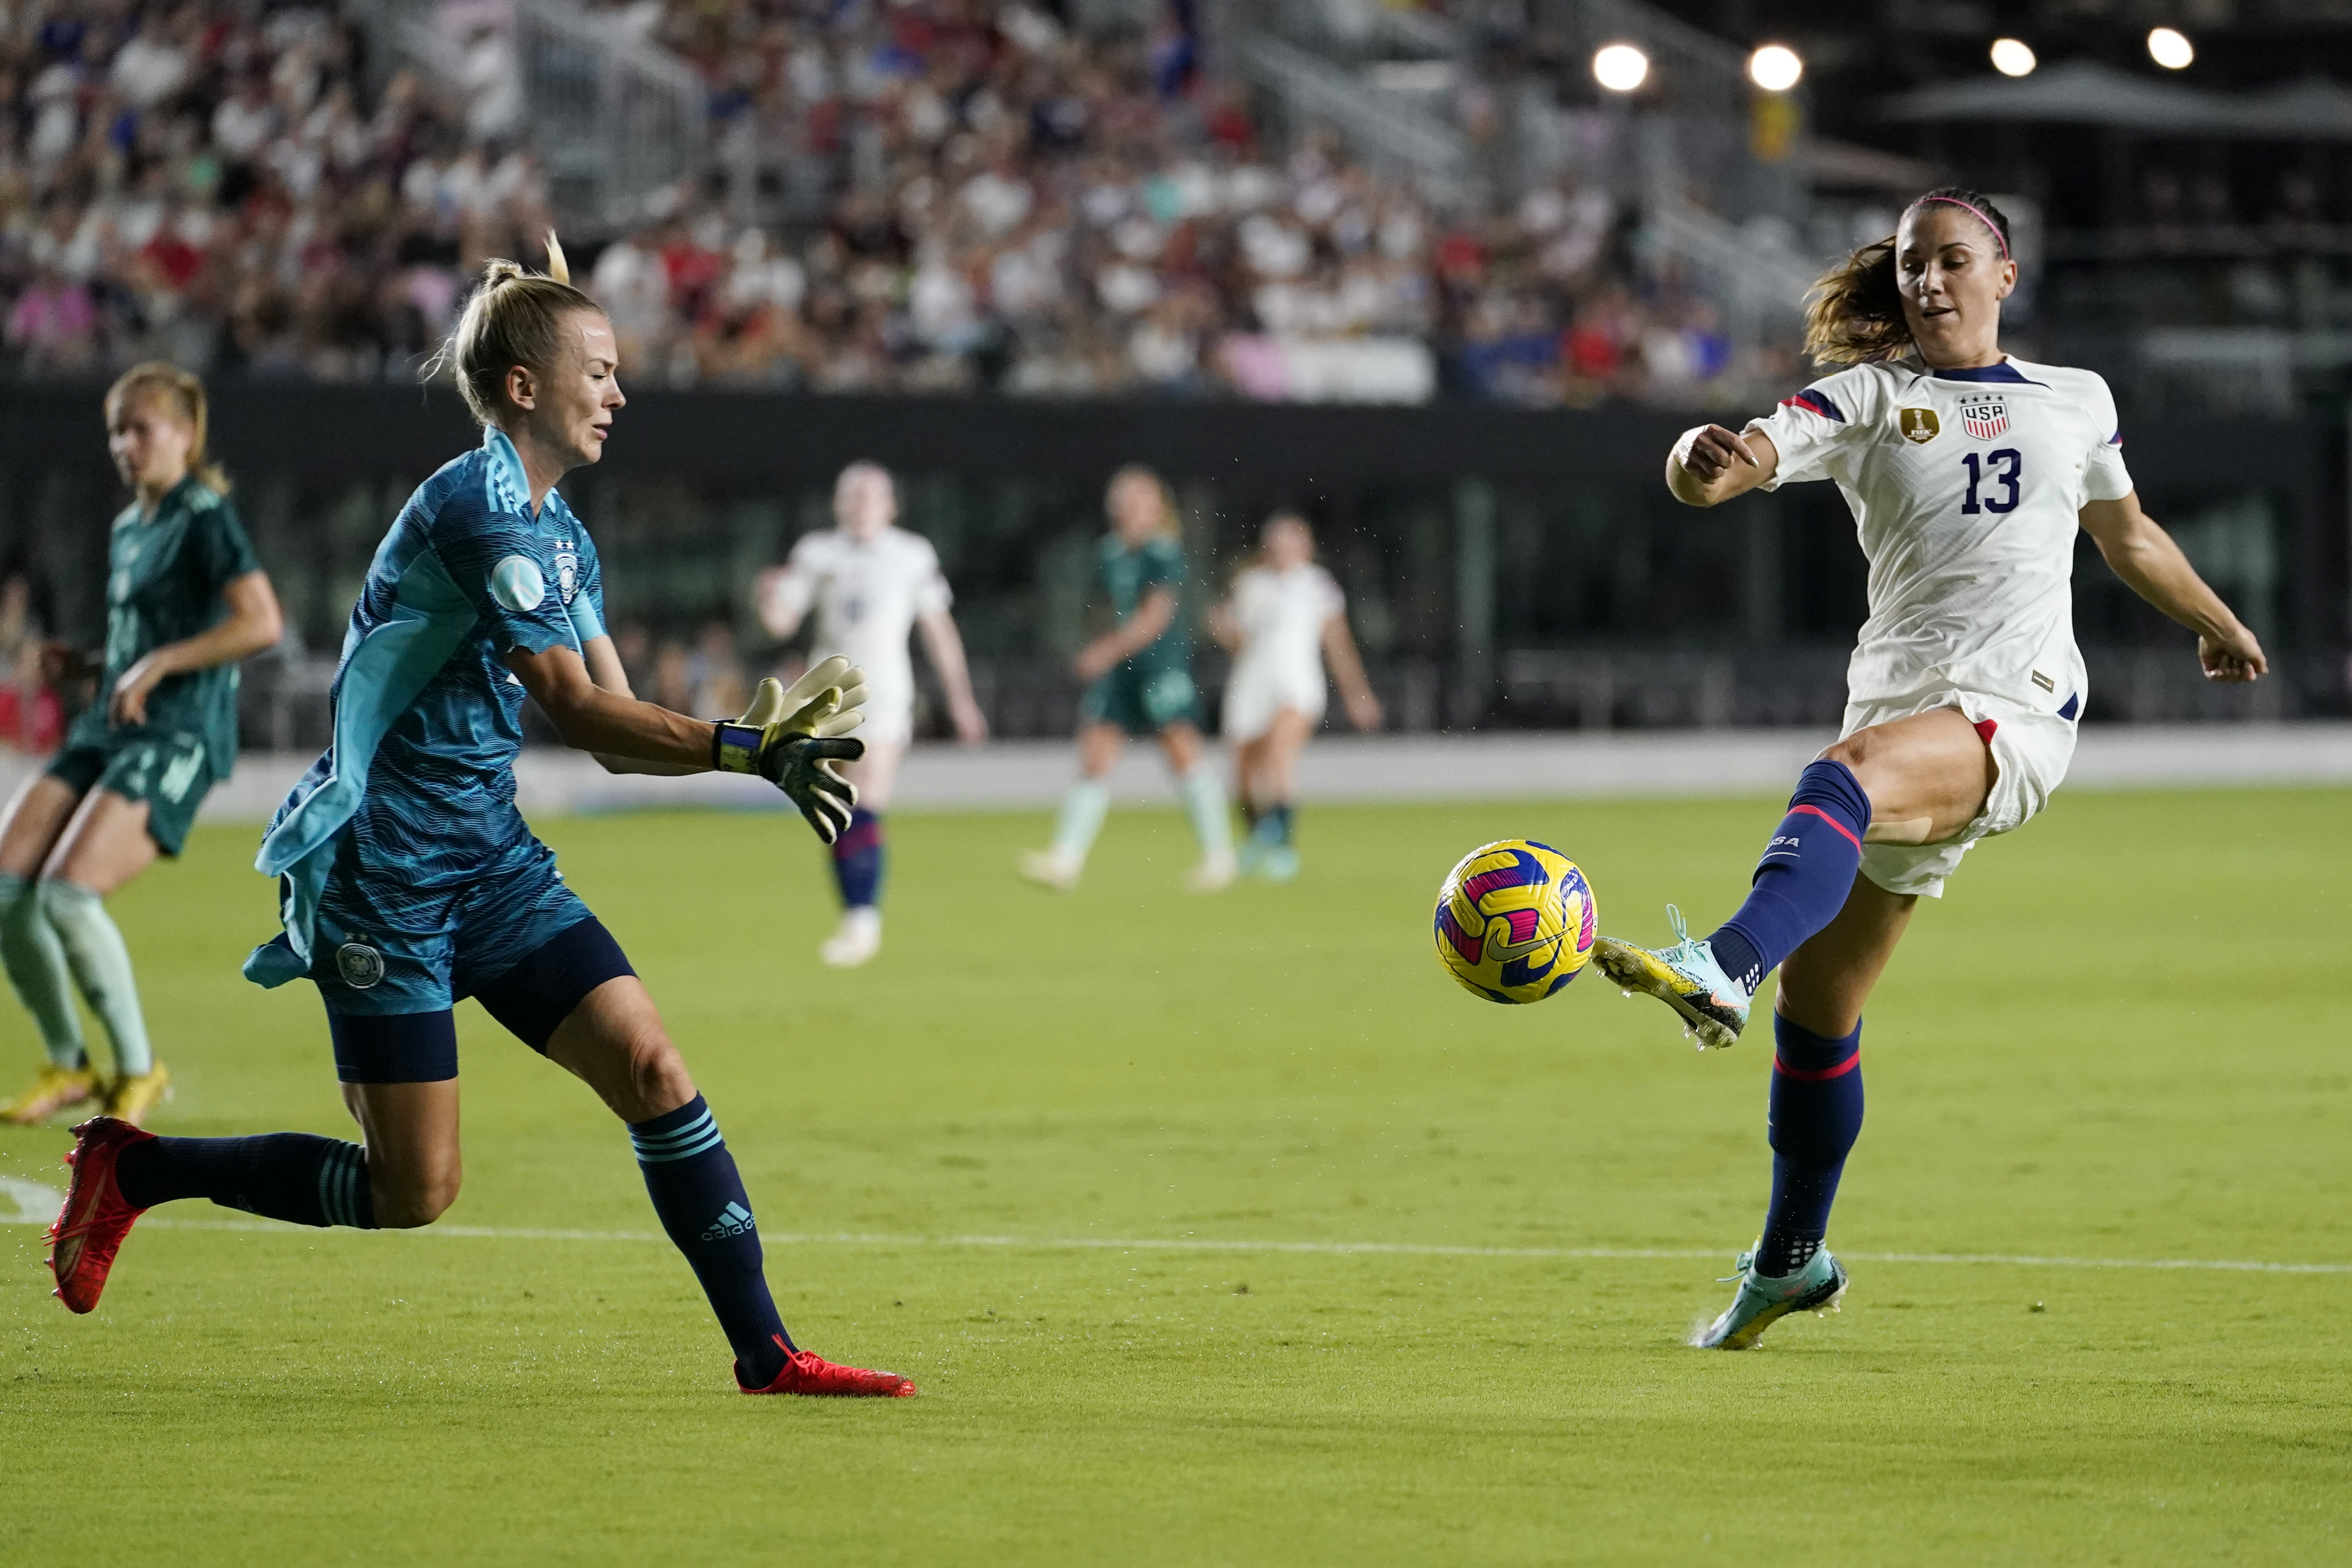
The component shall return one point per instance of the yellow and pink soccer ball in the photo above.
(1515, 920)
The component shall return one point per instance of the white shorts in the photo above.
(2029, 747)
(888, 722)
(1257, 692)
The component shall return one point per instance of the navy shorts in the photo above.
(381, 944)
(529, 999)
(391, 959)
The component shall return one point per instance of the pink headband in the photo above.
(1997, 236)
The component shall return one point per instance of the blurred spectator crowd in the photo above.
(988, 202)
(206, 183)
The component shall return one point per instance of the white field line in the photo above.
(36, 1205)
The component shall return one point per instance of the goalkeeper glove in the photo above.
(796, 740)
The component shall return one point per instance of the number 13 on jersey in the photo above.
(2002, 469)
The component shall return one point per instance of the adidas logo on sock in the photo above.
(733, 1220)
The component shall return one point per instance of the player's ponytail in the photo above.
(1853, 315)
(158, 378)
(514, 318)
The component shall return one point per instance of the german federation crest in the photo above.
(567, 574)
(361, 966)
(1984, 418)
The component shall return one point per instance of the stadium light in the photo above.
(1775, 67)
(1621, 68)
(2011, 57)
(2171, 49)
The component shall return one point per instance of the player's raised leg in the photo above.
(615, 1042)
(1918, 780)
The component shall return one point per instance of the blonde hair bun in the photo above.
(514, 318)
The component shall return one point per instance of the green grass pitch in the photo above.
(2119, 1038)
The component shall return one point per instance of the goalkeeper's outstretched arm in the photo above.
(605, 667)
(611, 724)
(796, 740)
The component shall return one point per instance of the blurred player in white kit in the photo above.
(1284, 620)
(870, 583)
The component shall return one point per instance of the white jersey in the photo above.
(1281, 616)
(867, 596)
(1965, 487)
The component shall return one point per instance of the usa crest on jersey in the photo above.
(1984, 418)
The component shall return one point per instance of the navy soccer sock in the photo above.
(697, 1191)
(857, 860)
(1816, 1115)
(293, 1176)
(1804, 877)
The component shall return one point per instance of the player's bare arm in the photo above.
(1711, 465)
(1222, 628)
(2152, 565)
(944, 644)
(605, 667)
(1151, 617)
(801, 758)
(782, 600)
(609, 723)
(1348, 668)
(253, 623)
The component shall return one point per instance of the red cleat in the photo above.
(805, 1371)
(90, 1227)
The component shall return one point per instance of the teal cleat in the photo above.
(1279, 863)
(1764, 1300)
(1685, 977)
(1246, 854)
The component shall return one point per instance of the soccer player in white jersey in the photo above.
(1968, 473)
(871, 583)
(1283, 622)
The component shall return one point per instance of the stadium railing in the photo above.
(613, 119)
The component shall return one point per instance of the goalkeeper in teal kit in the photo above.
(408, 880)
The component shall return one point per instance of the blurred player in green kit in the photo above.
(1141, 684)
(184, 601)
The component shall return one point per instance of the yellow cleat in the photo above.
(56, 1089)
(130, 1096)
(1685, 977)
